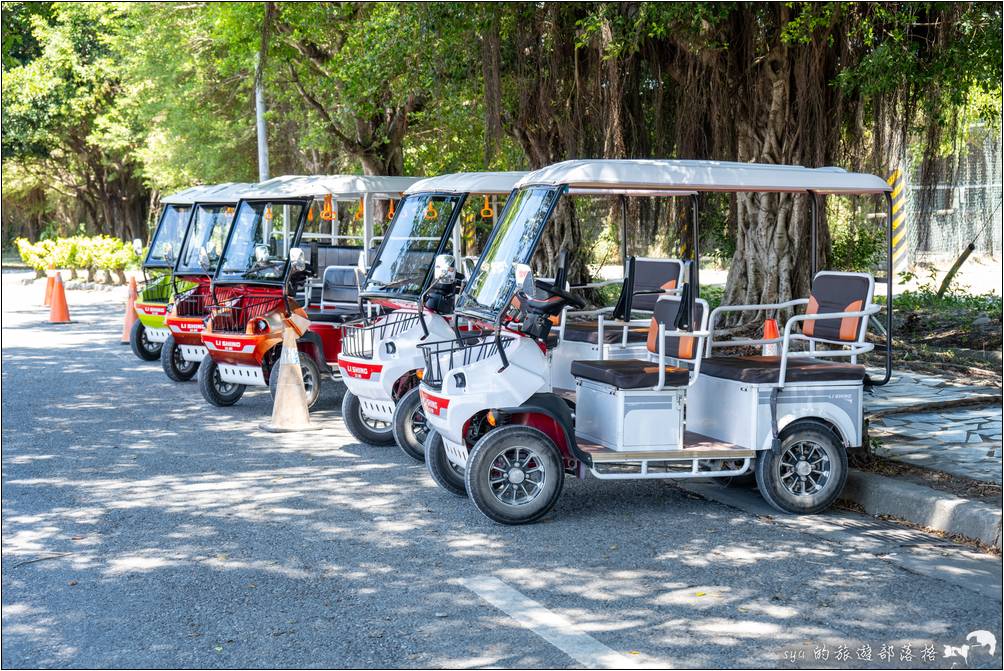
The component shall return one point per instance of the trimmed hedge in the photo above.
(100, 252)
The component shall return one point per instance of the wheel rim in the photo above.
(419, 426)
(146, 343)
(516, 476)
(375, 425)
(221, 386)
(309, 383)
(804, 468)
(181, 363)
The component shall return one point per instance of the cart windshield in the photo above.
(258, 246)
(167, 238)
(411, 243)
(210, 225)
(513, 240)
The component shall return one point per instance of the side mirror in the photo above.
(169, 252)
(204, 260)
(137, 246)
(297, 260)
(524, 278)
(444, 269)
(261, 253)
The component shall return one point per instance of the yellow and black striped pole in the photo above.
(900, 246)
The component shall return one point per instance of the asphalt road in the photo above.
(144, 528)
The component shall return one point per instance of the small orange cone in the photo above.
(59, 313)
(289, 411)
(130, 313)
(770, 332)
(50, 281)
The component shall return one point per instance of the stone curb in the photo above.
(927, 507)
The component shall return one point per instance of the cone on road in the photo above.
(50, 281)
(130, 313)
(770, 332)
(59, 313)
(289, 409)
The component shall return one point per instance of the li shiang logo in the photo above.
(978, 643)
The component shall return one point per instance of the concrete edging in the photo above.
(930, 508)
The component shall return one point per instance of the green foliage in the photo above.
(857, 248)
(99, 252)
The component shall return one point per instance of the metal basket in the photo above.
(449, 354)
(193, 303)
(233, 315)
(359, 339)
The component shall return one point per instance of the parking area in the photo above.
(143, 527)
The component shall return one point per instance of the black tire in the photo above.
(214, 390)
(311, 378)
(809, 447)
(352, 415)
(141, 347)
(485, 459)
(410, 426)
(176, 367)
(441, 469)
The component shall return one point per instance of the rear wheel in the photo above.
(514, 474)
(444, 472)
(411, 428)
(311, 378)
(214, 389)
(364, 429)
(176, 366)
(143, 347)
(808, 473)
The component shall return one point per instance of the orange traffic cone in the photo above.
(130, 313)
(770, 332)
(289, 411)
(59, 313)
(50, 281)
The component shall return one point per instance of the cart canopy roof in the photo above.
(468, 182)
(339, 186)
(229, 192)
(627, 175)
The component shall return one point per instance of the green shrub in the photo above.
(98, 252)
(856, 248)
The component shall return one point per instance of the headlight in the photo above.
(260, 326)
(390, 347)
(460, 380)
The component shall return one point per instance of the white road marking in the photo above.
(556, 629)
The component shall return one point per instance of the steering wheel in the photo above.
(552, 290)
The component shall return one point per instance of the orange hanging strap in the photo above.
(487, 212)
(268, 213)
(359, 211)
(431, 213)
(390, 212)
(328, 211)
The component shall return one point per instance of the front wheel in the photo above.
(214, 389)
(514, 474)
(311, 378)
(143, 347)
(808, 473)
(444, 472)
(364, 429)
(411, 428)
(176, 366)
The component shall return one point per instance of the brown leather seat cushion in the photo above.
(588, 331)
(628, 373)
(764, 369)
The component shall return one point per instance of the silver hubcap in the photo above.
(804, 468)
(516, 476)
(148, 344)
(376, 425)
(221, 386)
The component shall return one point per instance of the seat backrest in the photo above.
(337, 255)
(646, 275)
(679, 347)
(340, 286)
(839, 292)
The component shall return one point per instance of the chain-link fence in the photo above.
(958, 201)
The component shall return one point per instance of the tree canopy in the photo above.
(107, 105)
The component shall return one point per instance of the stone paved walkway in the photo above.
(964, 441)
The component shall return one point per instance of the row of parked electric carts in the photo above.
(418, 296)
